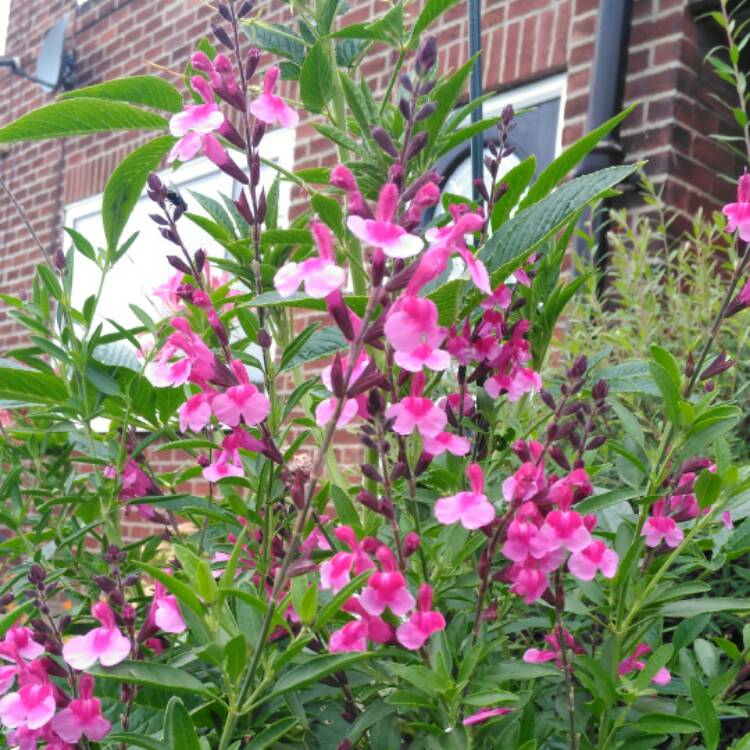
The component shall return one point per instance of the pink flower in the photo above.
(422, 623)
(412, 330)
(327, 408)
(166, 611)
(241, 402)
(538, 656)
(472, 509)
(82, 716)
(194, 122)
(562, 529)
(484, 714)
(416, 411)
(386, 589)
(597, 556)
(738, 214)
(167, 292)
(320, 275)
(352, 637)
(225, 466)
(19, 638)
(659, 528)
(446, 441)
(633, 662)
(106, 644)
(517, 546)
(381, 232)
(335, 572)
(527, 481)
(195, 413)
(518, 383)
(269, 107)
(31, 707)
(529, 580)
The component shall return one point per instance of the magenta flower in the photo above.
(386, 589)
(562, 529)
(327, 408)
(528, 580)
(446, 441)
(422, 623)
(165, 611)
(83, 716)
(106, 644)
(19, 639)
(195, 413)
(269, 107)
(241, 402)
(738, 214)
(526, 482)
(484, 714)
(472, 509)
(335, 572)
(662, 528)
(538, 656)
(199, 365)
(194, 122)
(519, 382)
(31, 707)
(416, 411)
(320, 275)
(597, 556)
(412, 330)
(352, 637)
(517, 546)
(633, 662)
(382, 232)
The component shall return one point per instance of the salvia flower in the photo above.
(381, 232)
(165, 611)
(412, 330)
(423, 622)
(194, 122)
(417, 412)
(633, 662)
(738, 214)
(105, 644)
(30, 708)
(472, 508)
(597, 556)
(662, 528)
(269, 107)
(386, 589)
(485, 714)
(83, 716)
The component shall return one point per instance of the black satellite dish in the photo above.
(55, 67)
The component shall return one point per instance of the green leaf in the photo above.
(150, 91)
(178, 726)
(669, 392)
(660, 658)
(706, 713)
(316, 78)
(603, 500)
(181, 590)
(81, 244)
(270, 734)
(527, 230)
(668, 362)
(277, 39)
(314, 670)
(31, 387)
(571, 157)
(431, 11)
(126, 184)
(323, 343)
(138, 740)
(160, 676)
(709, 426)
(708, 488)
(519, 670)
(517, 180)
(79, 117)
(666, 724)
(693, 607)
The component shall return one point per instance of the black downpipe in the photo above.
(475, 91)
(606, 96)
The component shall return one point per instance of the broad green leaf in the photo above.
(693, 607)
(79, 117)
(708, 657)
(138, 740)
(316, 78)
(271, 734)
(708, 488)
(519, 670)
(31, 387)
(706, 714)
(277, 39)
(570, 158)
(527, 230)
(160, 676)
(431, 11)
(669, 392)
(178, 727)
(668, 362)
(666, 724)
(126, 184)
(709, 426)
(323, 343)
(117, 355)
(517, 180)
(314, 670)
(150, 91)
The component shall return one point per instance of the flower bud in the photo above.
(223, 37)
(425, 112)
(411, 543)
(105, 583)
(427, 56)
(264, 339)
(381, 137)
(417, 144)
(405, 81)
(245, 8)
(225, 13)
(37, 574)
(371, 472)
(179, 264)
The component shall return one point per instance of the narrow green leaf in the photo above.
(79, 117)
(314, 670)
(693, 607)
(178, 726)
(431, 11)
(271, 734)
(669, 392)
(160, 676)
(150, 91)
(706, 713)
(666, 724)
(125, 185)
(517, 180)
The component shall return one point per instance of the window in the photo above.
(4, 18)
(144, 266)
(537, 132)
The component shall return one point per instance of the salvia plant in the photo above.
(517, 562)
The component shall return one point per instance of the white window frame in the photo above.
(4, 24)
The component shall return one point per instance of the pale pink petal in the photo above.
(288, 278)
(448, 509)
